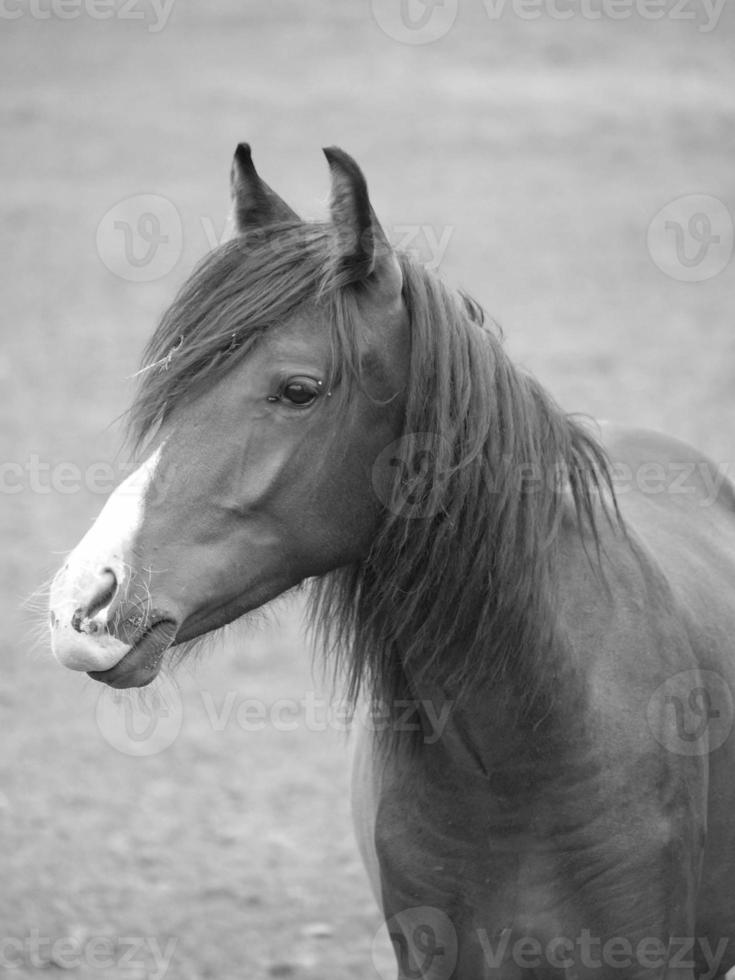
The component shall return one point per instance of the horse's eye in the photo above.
(301, 393)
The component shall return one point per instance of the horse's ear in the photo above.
(254, 204)
(363, 250)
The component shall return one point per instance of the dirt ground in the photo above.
(538, 151)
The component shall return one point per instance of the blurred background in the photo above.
(574, 173)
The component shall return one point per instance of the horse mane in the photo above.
(462, 596)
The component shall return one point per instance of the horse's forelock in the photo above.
(237, 292)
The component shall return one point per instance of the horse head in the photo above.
(270, 387)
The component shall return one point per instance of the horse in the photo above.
(533, 615)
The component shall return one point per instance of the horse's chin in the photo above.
(142, 663)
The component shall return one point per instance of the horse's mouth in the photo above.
(142, 662)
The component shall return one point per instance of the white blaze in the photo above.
(107, 544)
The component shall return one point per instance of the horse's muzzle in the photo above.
(142, 662)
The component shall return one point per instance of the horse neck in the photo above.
(529, 709)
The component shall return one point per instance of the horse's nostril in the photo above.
(103, 592)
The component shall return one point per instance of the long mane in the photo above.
(461, 594)
(464, 596)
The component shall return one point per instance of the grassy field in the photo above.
(540, 151)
